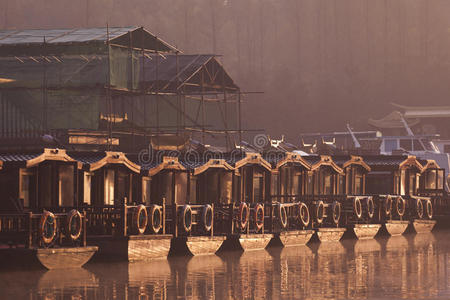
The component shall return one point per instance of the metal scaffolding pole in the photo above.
(178, 96)
(203, 106)
(157, 97)
(225, 112)
(44, 91)
(239, 117)
(108, 93)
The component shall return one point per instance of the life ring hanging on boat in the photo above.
(282, 213)
(336, 212)
(357, 207)
(304, 214)
(186, 217)
(47, 227)
(400, 206)
(155, 218)
(259, 216)
(419, 208)
(429, 207)
(388, 205)
(140, 218)
(74, 224)
(207, 217)
(370, 207)
(244, 212)
(320, 212)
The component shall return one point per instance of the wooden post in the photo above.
(264, 209)
(212, 223)
(271, 217)
(231, 218)
(30, 231)
(130, 184)
(248, 215)
(164, 215)
(57, 228)
(125, 217)
(175, 219)
(84, 228)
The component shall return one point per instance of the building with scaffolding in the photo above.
(116, 89)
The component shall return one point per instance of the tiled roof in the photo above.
(384, 160)
(340, 160)
(144, 161)
(87, 157)
(274, 157)
(18, 157)
(312, 159)
(79, 35)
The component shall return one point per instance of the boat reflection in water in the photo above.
(412, 267)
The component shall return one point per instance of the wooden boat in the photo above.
(31, 226)
(289, 219)
(246, 228)
(209, 185)
(123, 220)
(323, 194)
(31, 240)
(138, 211)
(399, 187)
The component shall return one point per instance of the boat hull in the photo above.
(196, 245)
(254, 241)
(295, 238)
(203, 245)
(423, 226)
(330, 234)
(50, 258)
(366, 231)
(133, 248)
(246, 242)
(395, 228)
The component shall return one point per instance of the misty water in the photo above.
(409, 267)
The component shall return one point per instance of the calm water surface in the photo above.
(408, 267)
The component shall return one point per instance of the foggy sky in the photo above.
(320, 63)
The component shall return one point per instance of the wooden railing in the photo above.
(109, 220)
(228, 220)
(198, 227)
(23, 230)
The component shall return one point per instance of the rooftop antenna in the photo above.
(408, 129)
(276, 143)
(355, 140)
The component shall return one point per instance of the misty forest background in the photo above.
(320, 63)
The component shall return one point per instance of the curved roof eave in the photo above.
(431, 164)
(213, 163)
(411, 161)
(326, 160)
(168, 163)
(357, 160)
(253, 158)
(53, 155)
(117, 158)
(293, 158)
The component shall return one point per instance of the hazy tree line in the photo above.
(320, 63)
